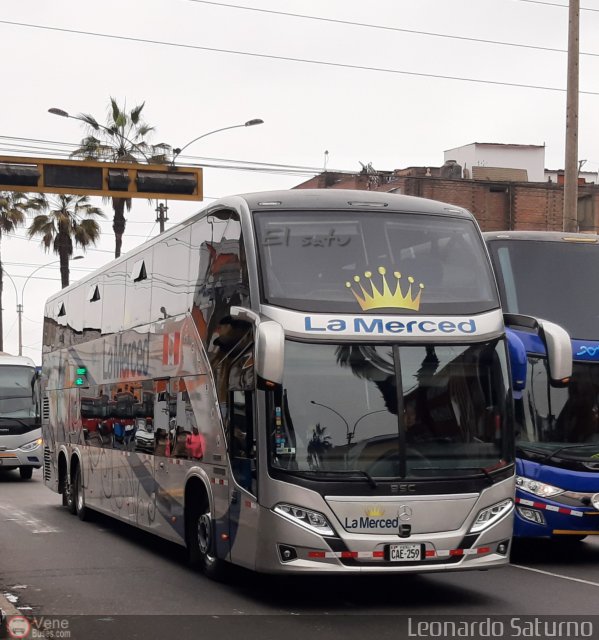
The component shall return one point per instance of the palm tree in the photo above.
(13, 206)
(66, 221)
(122, 139)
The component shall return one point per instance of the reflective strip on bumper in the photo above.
(380, 555)
(549, 507)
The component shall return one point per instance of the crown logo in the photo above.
(374, 512)
(383, 297)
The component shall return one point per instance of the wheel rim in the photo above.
(69, 495)
(79, 499)
(204, 533)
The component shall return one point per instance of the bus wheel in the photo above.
(68, 496)
(200, 541)
(78, 496)
(26, 473)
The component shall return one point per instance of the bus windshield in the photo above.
(17, 397)
(340, 410)
(550, 418)
(533, 281)
(314, 260)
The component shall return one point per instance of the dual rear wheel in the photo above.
(73, 496)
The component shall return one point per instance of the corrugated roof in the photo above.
(499, 174)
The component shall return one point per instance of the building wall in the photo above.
(591, 177)
(497, 206)
(507, 156)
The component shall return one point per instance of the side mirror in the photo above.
(559, 352)
(518, 361)
(556, 341)
(270, 351)
(270, 344)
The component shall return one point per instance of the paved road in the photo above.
(52, 563)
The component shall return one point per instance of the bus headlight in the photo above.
(30, 446)
(538, 488)
(313, 520)
(489, 515)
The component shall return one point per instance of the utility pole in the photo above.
(20, 314)
(161, 215)
(571, 166)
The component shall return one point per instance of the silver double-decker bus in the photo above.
(311, 381)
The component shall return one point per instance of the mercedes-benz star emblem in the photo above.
(404, 513)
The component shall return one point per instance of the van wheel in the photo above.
(26, 473)
(79, 497)
(201, 543)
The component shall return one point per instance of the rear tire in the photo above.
(26, 473)
(79, 496)
(68, 496)
(201, 542)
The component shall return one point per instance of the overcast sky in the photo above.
(369, 82)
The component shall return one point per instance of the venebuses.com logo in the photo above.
(22, 628)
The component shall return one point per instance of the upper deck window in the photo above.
(373, 262)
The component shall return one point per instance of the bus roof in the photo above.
(341, 198)
(542, 236)
(23, 361)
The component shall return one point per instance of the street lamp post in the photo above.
(350, 432)
(250, 123)
(20, 304)
(351, 436)
(96, 125)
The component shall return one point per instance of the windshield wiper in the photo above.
(345, 472)
(21, 422)
(538, 450)
(481, 470)
(552, 454)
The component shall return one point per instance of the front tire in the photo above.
(26, 473)
(201, 542)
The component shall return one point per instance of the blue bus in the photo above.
(552, 275)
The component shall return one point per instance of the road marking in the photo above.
(27, 521)
(556, 575)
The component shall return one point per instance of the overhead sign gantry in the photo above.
(94, 178)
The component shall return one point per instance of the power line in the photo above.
(370, 25)
(553, 4)
(239, 165)
(264, 56)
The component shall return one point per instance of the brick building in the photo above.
(499, 198)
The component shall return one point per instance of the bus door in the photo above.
(239, 423)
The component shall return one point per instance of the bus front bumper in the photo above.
(285, 547)
(544, 518)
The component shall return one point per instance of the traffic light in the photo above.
(81, 377)
(93, 178)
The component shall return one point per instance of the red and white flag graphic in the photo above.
(171, 348)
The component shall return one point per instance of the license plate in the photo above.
(405, 552)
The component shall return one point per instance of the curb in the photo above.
(8, 607)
